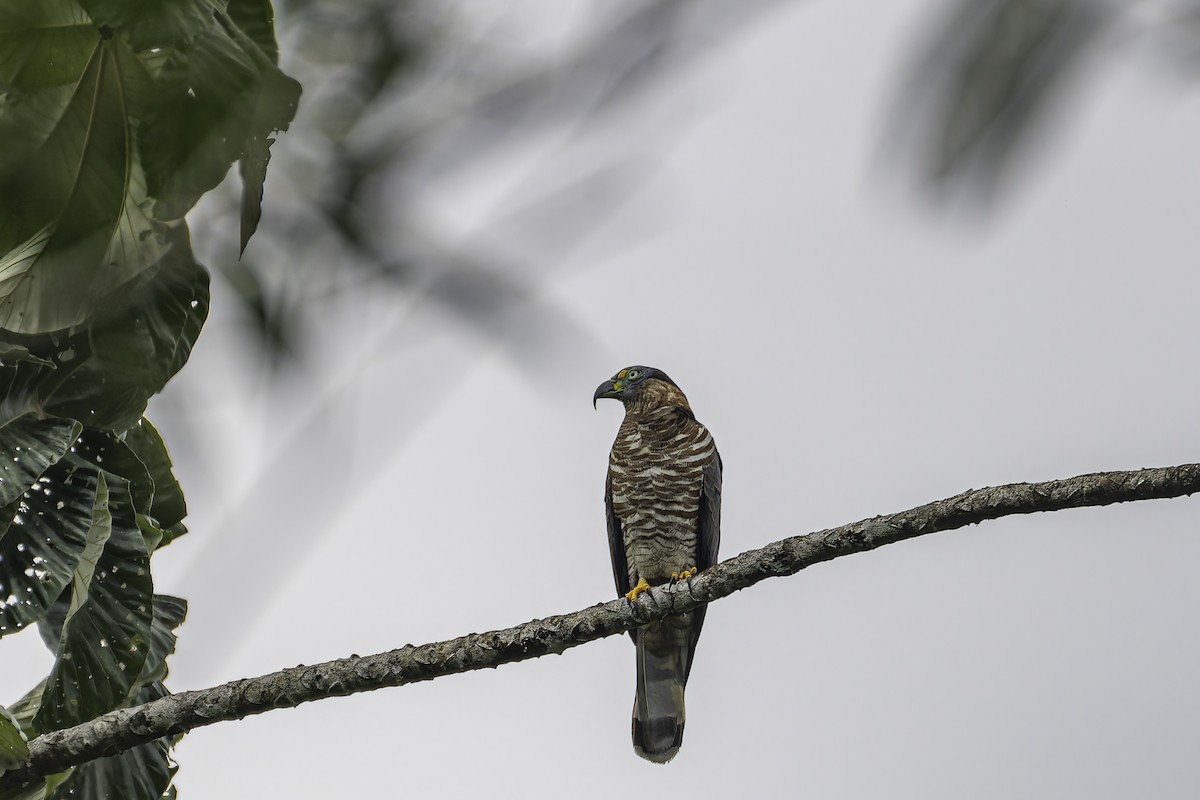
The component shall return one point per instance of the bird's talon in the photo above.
(632, 594)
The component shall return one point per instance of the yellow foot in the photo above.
(683, 576)
(633, 593)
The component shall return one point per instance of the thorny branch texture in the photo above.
(122, 729)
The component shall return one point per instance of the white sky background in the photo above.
(852, 352)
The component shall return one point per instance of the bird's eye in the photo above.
(634, 374)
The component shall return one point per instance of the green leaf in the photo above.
(256, 19)
(98, 535)
(131, 354)
(221, 99)
(11, 353)
(14, 749)
(171, 533)
(72, 198)
(23, 712)
(21, 384)
(252, 169)
(147, 770)
(50, 626)
(116, 116)
(116, 464)
(42, 44)
(43, 535)
(44, 49)
(168, 507)
(25, 709)
(139, 242)
(273, 106)
(34, 790)
(53, 624)
(154, 23)
(105, 374)
(169, 613)
(78, 219)
(108, 453)
(106, 636)
(28, 446)
(26, 121)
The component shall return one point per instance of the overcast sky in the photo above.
(853, 353)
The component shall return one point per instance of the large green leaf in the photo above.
(34, 790)
(42, 44)
(130, 354)
(42, 536)
(44, 49)
(22, 712)
(154, 23)
(51, 624)
(104, 374)
(56, 704)
(116, 115)
(73, 195)
(256, 18)
(221, 99)
(272, 107)
(146, 770)
(12, 354)
(169, 613)
(77, 218)
(25, 709)
(106, 635)
(14, 750)
(21, 385)
(168, 507)
(28, 446)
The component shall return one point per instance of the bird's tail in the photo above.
(663, 651)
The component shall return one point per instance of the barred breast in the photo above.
(657, 465)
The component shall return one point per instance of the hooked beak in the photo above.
(610, 388)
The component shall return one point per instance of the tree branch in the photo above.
(122, 729)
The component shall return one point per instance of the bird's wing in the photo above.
(616, 546)
(708, 540)
(616, 541)
(708, 536)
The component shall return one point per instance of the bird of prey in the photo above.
(663, 503)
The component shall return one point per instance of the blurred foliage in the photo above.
(987, 77)
(116, 116)
(400, 95)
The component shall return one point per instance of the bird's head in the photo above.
(637, 386)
